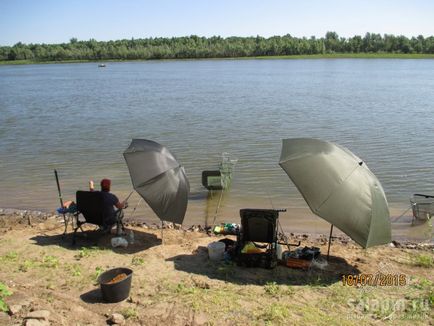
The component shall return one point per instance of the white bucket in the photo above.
(216, 250)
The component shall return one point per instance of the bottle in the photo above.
(279, 250)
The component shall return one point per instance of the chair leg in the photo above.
(74, 234)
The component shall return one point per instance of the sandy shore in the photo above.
(175, 283)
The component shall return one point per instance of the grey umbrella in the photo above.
(158, 178)
(339, 187)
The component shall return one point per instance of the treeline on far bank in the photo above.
(216, 47)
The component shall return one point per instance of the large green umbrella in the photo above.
(339, 187)
(159, 178)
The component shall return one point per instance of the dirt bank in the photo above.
(175, 283)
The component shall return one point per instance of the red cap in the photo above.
(105, 184)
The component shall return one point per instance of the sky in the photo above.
(57, 21)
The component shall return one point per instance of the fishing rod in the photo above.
(137, 205)
(61, 201)
(128, 197)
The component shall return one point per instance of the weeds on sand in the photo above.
(422, 260)
(423, 284)
(137, 261)
(11, 256)
(129, 313)
(315, 316)
(182, 288)
(4, 292)
(98, 271)
(85, 252)
(50, 262)
(271, 288)
(275, 290)
(27, 265)
(74, 269)
(274, 313)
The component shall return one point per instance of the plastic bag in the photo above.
(119, 242)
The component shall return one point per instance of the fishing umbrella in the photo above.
(339, 187)
(158, 178)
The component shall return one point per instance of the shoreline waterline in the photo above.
(278, 57)
(296, 220)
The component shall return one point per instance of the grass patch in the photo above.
(417, 309)
(129, 313)
(85, 252)
(423, 284)
(50, 262)
(74, 269)
(274, 313)
(98, 271)
(27, 265)
(4, 292)
(11, 256)
(271, 288)
(183, 289)
(137, 261)
(421, 260)
(219, 302)
(274, 290)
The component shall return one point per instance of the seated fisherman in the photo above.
(111, 216)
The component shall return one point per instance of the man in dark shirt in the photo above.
(111, 216)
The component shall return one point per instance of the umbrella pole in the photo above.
(330, 241)
(217, 208)
(162, 234)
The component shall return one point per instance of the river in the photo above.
(78, 119)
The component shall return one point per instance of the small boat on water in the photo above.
(101, 65)
(422, 206)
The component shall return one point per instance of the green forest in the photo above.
(191, 47)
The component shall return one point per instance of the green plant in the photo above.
(422, 260)
(423, 284)
(4, 292)
(10, 256)
(75, 269)
(275, 313)
(85, 252)
(98, 271)
(26, 265)
(50, 262)
(129, 313)
(182, 288)
(417, 309)
(137, 261)
(271, 288)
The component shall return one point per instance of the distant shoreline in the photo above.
(280, 57)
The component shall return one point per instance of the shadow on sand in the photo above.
(93, 296)
(199, 264)
(142, 241)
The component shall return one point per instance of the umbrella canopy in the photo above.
(158, 178)
(339, 187)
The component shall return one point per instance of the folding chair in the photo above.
(258, 225)
(90, 205)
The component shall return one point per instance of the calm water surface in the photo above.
(79, 118)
